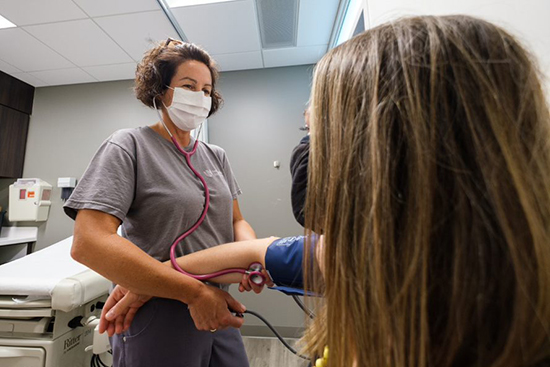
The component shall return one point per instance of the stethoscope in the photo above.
(254, 271)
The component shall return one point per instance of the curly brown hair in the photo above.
(155, 71)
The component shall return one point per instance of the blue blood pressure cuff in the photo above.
(283, 261)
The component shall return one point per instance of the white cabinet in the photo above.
(16, 242)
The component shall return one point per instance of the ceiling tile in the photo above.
(232, 27)
(293, 56)
(30, 79)
(105, 73)
(239, 61)
(8, 68)
(136, 32)
(315, 21)
(26, 12)
(64, 76)
(25, 52)
(80, 41)
(98, 8)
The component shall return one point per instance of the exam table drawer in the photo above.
(22, 357)
(33, 326)
(28, 313)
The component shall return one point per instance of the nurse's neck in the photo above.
(182, 137)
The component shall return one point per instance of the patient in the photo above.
(429, 179)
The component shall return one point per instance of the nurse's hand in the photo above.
(119, 310)
(210, 309)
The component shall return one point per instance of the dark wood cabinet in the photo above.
(16, 94)
(14, 126)
(16, 99)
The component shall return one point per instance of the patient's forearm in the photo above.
(230, 255)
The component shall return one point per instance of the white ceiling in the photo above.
(527, 19)
(80, 41)
(60, 42)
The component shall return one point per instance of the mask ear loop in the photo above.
(200, 129)
(160, 117)
(155, 97)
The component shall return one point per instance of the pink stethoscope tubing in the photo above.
(254, 270)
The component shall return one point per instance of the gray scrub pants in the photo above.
(163, 334)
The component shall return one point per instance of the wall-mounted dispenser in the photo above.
(29, 200)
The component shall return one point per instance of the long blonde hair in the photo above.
(430, 181)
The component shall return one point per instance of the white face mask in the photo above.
(188, 109)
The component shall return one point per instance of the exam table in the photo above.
(49, 305)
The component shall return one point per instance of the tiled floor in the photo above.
(270, 352)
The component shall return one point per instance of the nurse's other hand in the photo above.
(210, 309)
(247, 285)
(119, 310)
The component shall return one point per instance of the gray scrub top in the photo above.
(143, 180)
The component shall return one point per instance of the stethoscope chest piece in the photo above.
(255, 274)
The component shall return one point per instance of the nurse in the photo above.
(140, 181)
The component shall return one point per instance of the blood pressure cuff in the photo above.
(283, 261)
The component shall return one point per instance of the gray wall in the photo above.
(258, 125)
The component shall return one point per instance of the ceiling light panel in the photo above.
(4, 23)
